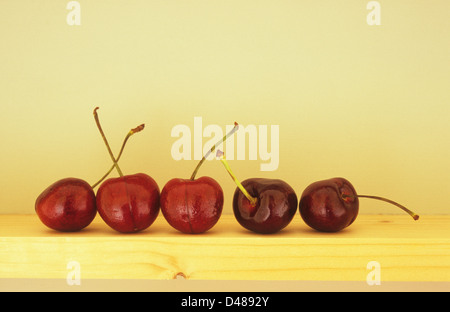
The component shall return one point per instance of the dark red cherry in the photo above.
(262, 205)
(275, 206)
(332, 205)
(329, 205)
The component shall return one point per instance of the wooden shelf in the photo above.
(406, 250)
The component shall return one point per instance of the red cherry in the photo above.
(67, 205)
(130, 203)
(194, 205)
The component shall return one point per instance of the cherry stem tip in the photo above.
(411, 213)
(213, 148)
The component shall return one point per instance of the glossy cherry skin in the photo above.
(324, 208)
(274, 210)
(192, 206)
(130, 203)
(67, 205)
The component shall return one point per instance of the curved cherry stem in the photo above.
(235, 128)
(253, 201)
(97, 121)
(132, 131)
(411, 213)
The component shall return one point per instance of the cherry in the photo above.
(128, 204)
(332, 205)
(192, 205)
(262, 205)
(69, 204)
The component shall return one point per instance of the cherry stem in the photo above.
(97, 121)
(412, 214)
(251, 199)
(132, 131)
(235, 128)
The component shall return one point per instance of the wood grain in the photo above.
(406, 250)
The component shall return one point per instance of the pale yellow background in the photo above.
(369, 103)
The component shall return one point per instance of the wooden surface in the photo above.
(406, 250)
